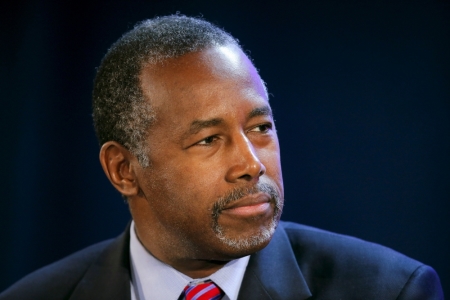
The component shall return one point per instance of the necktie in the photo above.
(207, 290)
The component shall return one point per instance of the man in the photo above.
(188, 138)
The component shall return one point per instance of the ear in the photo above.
(118, 164)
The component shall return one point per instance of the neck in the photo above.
(194, 268)
(198, 268)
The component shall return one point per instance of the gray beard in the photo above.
(245, 243)
(265, 234)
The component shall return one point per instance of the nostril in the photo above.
(246, 177)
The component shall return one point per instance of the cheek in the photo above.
(270, 158)
(187, 188)
(202, 177)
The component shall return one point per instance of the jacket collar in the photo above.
(273, 273)
(109, 277)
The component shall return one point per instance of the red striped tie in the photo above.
(207, 290)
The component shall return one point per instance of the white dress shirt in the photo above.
(153, 279)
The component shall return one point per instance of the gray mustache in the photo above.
(238, 193)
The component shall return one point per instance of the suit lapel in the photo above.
(273, 273)
(109, 277)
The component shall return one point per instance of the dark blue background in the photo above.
(360, 90)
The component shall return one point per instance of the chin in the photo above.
(245, 245)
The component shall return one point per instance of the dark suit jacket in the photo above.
(299, 263)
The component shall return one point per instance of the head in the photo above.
(193, 144)
(120, 110)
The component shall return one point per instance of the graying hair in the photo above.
(121, 113)
(242, 243)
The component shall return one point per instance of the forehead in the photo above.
(202, 84)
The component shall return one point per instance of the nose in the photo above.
(244, 162)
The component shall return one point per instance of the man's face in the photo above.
(214, 187)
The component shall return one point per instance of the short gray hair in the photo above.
(121, 112)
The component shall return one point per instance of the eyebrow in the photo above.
(260, 111)
(198, 125)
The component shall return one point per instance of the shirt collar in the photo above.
(153, 279)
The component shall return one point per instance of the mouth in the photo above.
(253, 204)
(246, 218)
(263, 199)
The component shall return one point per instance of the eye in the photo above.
(263, 128)
(207, 141)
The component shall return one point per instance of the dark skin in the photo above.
(214, 132)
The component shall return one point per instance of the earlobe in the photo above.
(117, 163)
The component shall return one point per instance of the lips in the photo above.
(252, 204)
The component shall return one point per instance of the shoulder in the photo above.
(57, 280)
(314, 241)
(334, 261)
